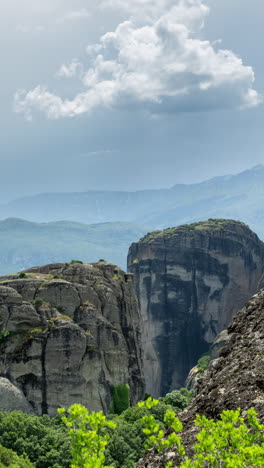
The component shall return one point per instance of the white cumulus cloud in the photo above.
(155, 61)
(74, 68)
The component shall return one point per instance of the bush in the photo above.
(179, 399)
(38, 301)
(118, 277)
(203, 363)
(127, 442)
(231, 442)
(44, 440)
(89, 437)
(76, 261)
(22, 275)
(4, 334)
(120, 399)
(8, 458)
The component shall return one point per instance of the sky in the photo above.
(122, 95)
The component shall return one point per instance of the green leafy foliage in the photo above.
(120, 399)
(22, 275)
(231, 442)
(127, 444)
(118, 277)
(76, 261)
(10, 459)
(92, 439)
(4, 334)
(89, 436)
(179, 399)
(44, 440)
(155, 432)
(38, 301)
(203, 363)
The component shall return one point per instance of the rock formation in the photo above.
(235, 379)
(190, 280)
(68, 333)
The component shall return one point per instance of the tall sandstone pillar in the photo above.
(190, 280)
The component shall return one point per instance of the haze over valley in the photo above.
(104, 224)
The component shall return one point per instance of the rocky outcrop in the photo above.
(68, 333)
(233, 380)
(190, 280)
(236, 378)
(12, 397)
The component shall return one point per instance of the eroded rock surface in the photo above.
(68, 333)
(190, 280)
(233, 380)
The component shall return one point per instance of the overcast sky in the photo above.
(121, 94)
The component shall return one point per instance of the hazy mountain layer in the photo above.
(240, 196)
(24, 244)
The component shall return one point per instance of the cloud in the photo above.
(155, 61)
(70, 70)
(101, 152)
(75, 15)
(25, 29)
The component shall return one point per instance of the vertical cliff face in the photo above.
(67, 334)
(189, 281)
(234, 380)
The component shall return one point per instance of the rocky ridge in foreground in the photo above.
(68, 332)
(235, 379)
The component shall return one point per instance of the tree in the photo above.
(89, 436)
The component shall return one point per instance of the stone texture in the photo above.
(234, 379)
(193, 378)
(79, 335)
(190, 280)
(12, 399)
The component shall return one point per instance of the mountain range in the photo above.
(104, 224)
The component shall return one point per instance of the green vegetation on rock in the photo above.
(120, 399)
(210, 224)
(47, 443)
(38, 301)
(203, 363)
(80, 439)
(231, 442)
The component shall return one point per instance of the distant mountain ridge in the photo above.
(104, 224)
(24, 243)
(238, 196)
